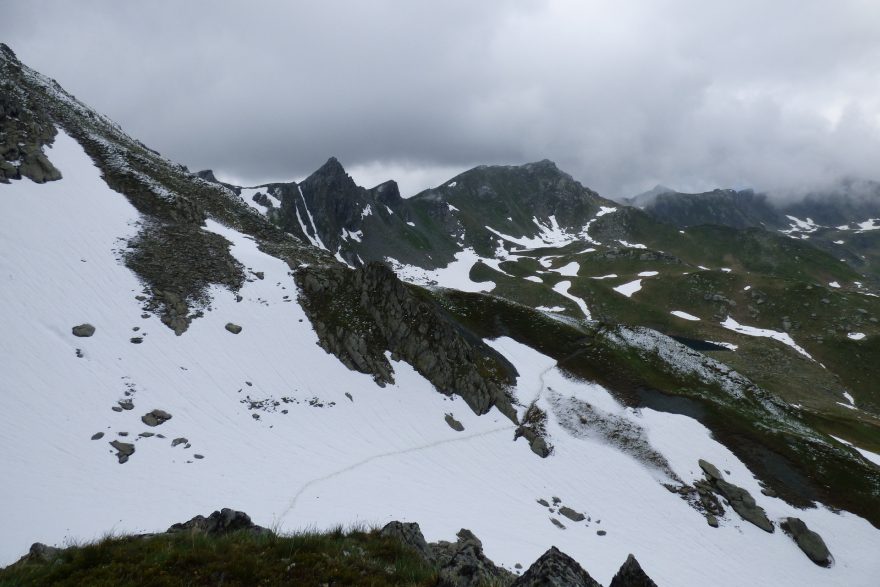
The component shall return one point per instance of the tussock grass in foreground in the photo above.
(336, 557)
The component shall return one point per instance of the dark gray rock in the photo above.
(710, 470)
(571, 514)
(136, 339)
(155, 418)
(555, 569)
(453, 423)
(739, 499)
(463, 564)
(557, 523)
(97, 436)
(180, 440)
(631, 575)
(409, 534)
(83, 330)
(810, 542)
(544, 503)
(233, 328)
(360, 315)
(123, 450)
(41, 553)
(219, 523)
(744, 504)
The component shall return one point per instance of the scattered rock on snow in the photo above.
(155, 418)
(180, 440)
(233, 328)
(83, 330)
(454, 424)
(123, 450)
(571, 514)
(808, 541)
(97, 436)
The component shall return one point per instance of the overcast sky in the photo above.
(773, 94)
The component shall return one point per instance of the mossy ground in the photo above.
(338, 557)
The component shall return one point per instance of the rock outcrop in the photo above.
(555, 569)
(360, 314)
(808, 541)
(218, 523)
(739, 499)
(460, 563)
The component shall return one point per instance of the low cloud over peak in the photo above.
(779, 96)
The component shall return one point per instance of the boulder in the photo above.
(571, 514)
(744, 504)
(631, 575)
(454, 424)
(218, 523)
(233, 328)
(83, 330)
(155, 418)
(555, 569)
(808, 541)
(123, 450)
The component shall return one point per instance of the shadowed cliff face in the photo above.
(360, 314)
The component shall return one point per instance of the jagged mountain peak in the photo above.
(331, 169)
(7, 52)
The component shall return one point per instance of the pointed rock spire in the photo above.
(555, 569)
(631, 575)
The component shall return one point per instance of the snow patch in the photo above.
(782, 337)
(684, 315)
(629, 288)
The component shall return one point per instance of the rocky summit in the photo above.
(537, 380)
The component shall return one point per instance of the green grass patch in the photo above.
(337, 557)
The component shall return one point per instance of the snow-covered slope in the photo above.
(290, 435)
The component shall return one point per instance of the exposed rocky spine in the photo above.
(739, 499)
(359, 314)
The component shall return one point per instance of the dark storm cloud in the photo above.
(780, 96)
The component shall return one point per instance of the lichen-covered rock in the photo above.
(555, 569)
(631, 575)
(810, 542)
(233, 328)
